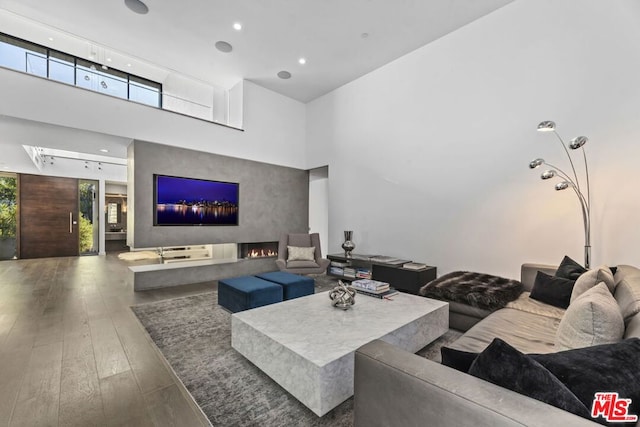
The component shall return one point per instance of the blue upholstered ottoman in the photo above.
(246, 292)
(294, 286)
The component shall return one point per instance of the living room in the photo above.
(428, 154)
(482, 95)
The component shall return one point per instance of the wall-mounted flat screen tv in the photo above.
(190, 201)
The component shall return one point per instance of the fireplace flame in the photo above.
(255, 253)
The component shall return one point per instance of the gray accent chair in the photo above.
(318, 266)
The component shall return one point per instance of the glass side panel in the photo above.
(93, 77)
(144, 94)
(61, 67)
(112, 85)
(8, 212)
(12, 57)
(36, 64)
(16, 54)
(89, 218)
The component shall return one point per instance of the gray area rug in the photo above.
(194, 335)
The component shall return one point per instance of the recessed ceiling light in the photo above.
(284, 74)
(104, 150)
(50, 39)
(302, 61)
(223, 46)
(137, 6)
(108, 59)
(364, 35)
(237, 26)
(128, 65)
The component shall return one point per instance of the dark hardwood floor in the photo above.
(73, 354)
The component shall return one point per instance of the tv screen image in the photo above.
(190, 201)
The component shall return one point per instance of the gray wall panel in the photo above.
(273, 199)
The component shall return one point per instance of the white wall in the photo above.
(274, 125)
(112, 188)
(429, 154)
(319, 205)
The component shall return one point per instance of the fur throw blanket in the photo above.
(475, 289)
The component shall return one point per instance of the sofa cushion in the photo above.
(593, 318)
(302, 264)
(528, 332)
(569, 269)
(591, 278)
(552, 290)
(505, 366)
(627, 294)
(297, 253)
(530, 305)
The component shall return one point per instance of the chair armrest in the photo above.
(281, 264)
(324, 263)
(396, 387)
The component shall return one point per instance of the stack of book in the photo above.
(337, 268)
(338, 271)
(339, 264)
(373, 288)
(363, 273)
(349, 272)
(414, 266)
(382, 259)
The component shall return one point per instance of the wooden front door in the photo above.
(48, 216)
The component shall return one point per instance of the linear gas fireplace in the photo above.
(258, 250)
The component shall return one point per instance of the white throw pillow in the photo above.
(591, 278)
(297, 253)
(593, 318)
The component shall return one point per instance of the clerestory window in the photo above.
(32, 58)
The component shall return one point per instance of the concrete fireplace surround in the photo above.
(274, 200)
(153, 276)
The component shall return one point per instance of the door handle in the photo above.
(70, 222)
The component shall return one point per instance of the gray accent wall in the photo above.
(273, 199)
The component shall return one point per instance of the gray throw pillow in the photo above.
(297, 253)
(591, 278)
(593, 318)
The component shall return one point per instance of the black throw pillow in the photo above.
(584, 371)
(457, 359)
(599, 368)
(569, 269)
(505, 366)
(552, 290)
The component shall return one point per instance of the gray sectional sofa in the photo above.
(396, 388)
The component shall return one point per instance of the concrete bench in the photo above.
(247, 292)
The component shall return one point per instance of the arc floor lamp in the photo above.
(570, 181)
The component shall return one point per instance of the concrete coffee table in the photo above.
(307, 346)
